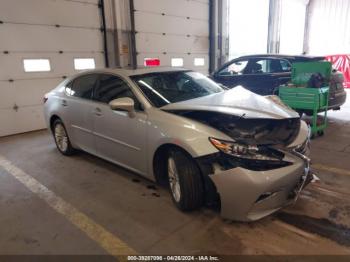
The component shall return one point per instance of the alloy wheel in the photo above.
(174, 180)
(61, 137)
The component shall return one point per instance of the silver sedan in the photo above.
(231, 148)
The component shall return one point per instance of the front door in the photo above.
(120, 137)
(232, 75)
(259, 75)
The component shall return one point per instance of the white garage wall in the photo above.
(329, 27)
(56, 30)
(167, 29)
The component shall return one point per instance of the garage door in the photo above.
(41, 43)
(175, 32)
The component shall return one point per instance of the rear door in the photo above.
(78, 107)
(119, 136)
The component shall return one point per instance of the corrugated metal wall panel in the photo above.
(329, 27)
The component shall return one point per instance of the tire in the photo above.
(185, 181)
(61, 138)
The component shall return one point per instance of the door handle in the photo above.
(98, 111)
(64, 103)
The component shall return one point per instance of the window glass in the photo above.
(171, 87)
(263, 66)
(83, 86)
(255, 66)
(286, 67)
(36, 65)
(177, 62)
(112, 87)
(235, 68)
(199, 61)
(84, 63)
(68, 88)
(266, 66)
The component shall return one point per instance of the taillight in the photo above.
(45, 98)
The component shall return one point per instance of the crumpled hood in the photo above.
(237, 101)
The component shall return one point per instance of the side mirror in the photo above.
(123, 104)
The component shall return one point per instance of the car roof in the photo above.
(288, 57)
(126, 72)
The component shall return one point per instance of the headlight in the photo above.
(246, 151)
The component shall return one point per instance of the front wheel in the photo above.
(61, 138)
(185, 181)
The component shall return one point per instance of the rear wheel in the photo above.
(185, 182)
(61, 138)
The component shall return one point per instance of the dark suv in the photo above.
(262, 74)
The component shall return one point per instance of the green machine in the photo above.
(301, 97)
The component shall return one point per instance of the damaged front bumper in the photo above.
(248, 195)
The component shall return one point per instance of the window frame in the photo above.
(174, 60)
(68, 84)
(201, 64)
(36, 71)
(139, 106)
(234, 61)
(288, 62)
(72, 86)
(82, 58)
(252, 59)
(257, 59)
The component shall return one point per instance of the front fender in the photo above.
(192, 136)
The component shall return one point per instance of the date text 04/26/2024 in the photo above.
(173, 258)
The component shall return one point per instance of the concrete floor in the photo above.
(145, 218)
